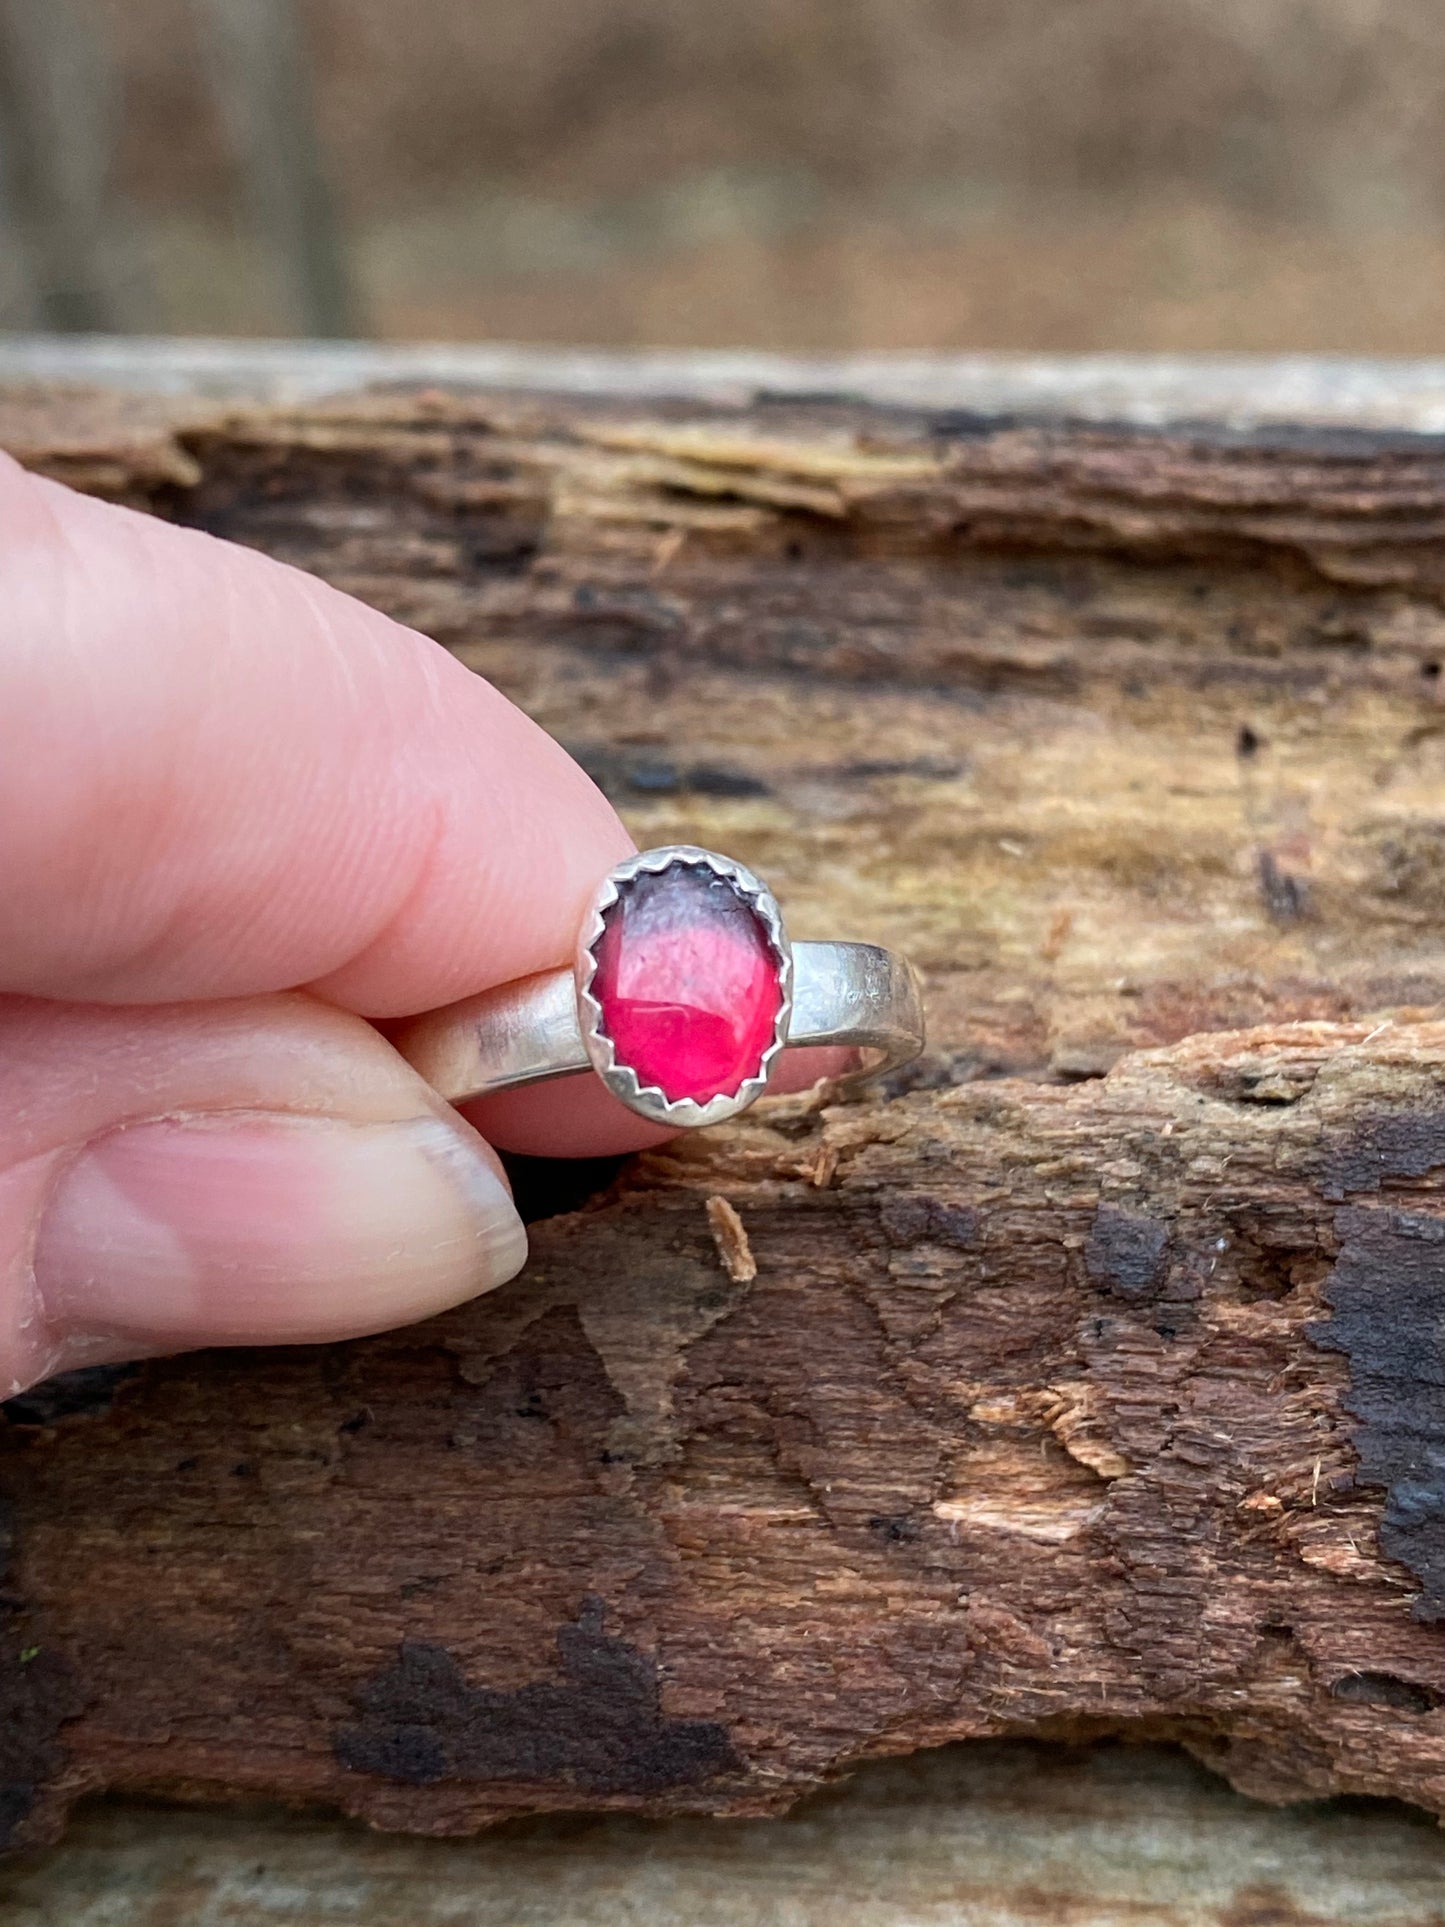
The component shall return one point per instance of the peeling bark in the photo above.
(1087, 1380)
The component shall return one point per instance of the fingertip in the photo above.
(271, 1229)
(254, 1173)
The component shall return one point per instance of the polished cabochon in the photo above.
(684, 985)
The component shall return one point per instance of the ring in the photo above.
(684, 993)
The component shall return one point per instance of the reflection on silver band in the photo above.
(854, 995)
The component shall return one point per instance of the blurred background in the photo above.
(796, 174)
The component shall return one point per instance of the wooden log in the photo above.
(1089, 1379)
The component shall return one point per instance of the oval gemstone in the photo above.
(688, 983)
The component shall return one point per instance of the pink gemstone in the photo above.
(688, 983)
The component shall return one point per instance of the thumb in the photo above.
(263, 1170)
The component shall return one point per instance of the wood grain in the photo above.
(1088, 1379)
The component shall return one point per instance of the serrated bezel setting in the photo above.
(648, 1100)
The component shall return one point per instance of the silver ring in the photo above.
(684, 992)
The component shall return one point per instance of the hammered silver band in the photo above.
(855, 995)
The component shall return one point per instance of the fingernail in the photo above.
(233, 1229)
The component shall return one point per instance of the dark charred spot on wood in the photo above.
(929, 769)
(1391, 1144)
(501, 553)
(898, 1528)
(1084, 1063)
(356, 1423)
(548, 1398)
(910, 1219)
(1387, 1295)
(795, 1126)
(967, 425)
(1430, 670)
(786, 408)
(1272, 1077)
(1126, 1252)
(630, 621)
(717, 779)
(38, 1694)
(620, 773)
(85, 1393)
(550, 1187)
(940, 1070)
(269, 499)
(615, 770)
(1286, 896)
(1248, 742)
(653, 779)
(599, 1728)
(1385, 1689)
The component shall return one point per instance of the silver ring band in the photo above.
(846, 994)
(853, 995)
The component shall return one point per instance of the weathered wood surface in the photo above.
(997, 1834)
(1062, 1403)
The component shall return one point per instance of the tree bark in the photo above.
(66, 226)
(1089, 1379)
(260, 74)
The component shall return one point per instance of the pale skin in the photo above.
(245, 820)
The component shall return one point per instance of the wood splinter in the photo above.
(731, 1238)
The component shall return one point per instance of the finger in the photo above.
(258, 1170)
(220, 777)
(579, 1117)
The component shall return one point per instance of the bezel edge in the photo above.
(649, 1101)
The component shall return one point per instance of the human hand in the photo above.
(240, 816)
